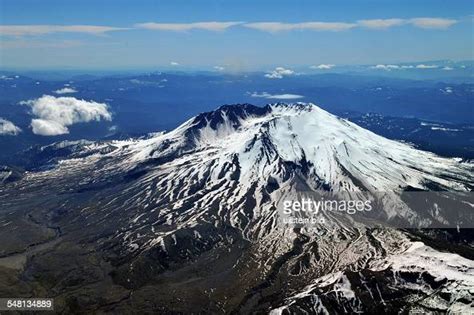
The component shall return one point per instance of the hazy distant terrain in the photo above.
(142, 103)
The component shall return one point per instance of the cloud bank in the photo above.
(274, 27)
(376, 24)
(397, 67)
(31, 30)
(426, 23)
(216, 26)
(183, 27)
(279, 73)
(276, 96)
(433, 23)
(55, 114)
(381, 23)
(8, 128)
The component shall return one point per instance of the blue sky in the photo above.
(230, 34)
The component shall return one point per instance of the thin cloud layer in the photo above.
(183, 27)
(403, 67)
(274, 27)
(66, 90)
(426, 23)
(279, 73)
(216, 26)
(433, 23)
(7, 128)
(55, 114)
(376, 24)
(381, 23)
(276, 96)
(32, 30)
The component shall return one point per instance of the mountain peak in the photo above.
(262, 139)
(295, 105)
(232, 115)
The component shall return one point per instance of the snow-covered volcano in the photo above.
(281, 150)
(261, 139)
(201, 202)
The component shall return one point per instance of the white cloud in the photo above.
(219, 68)
(279, 73)
(48, 127)
(65, 90)
(385, 67)
(55, 114)
(214, 26)
(422, 66)
(396, 67)
(8, 128)
(22, 30)
(447, 68)
(183, 27)
(433, 23)
(174, 63)
(274, 27)
(426, 22)
(323, 66)
(276, 96)
(381, 23)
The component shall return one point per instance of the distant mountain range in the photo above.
(143, 103)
